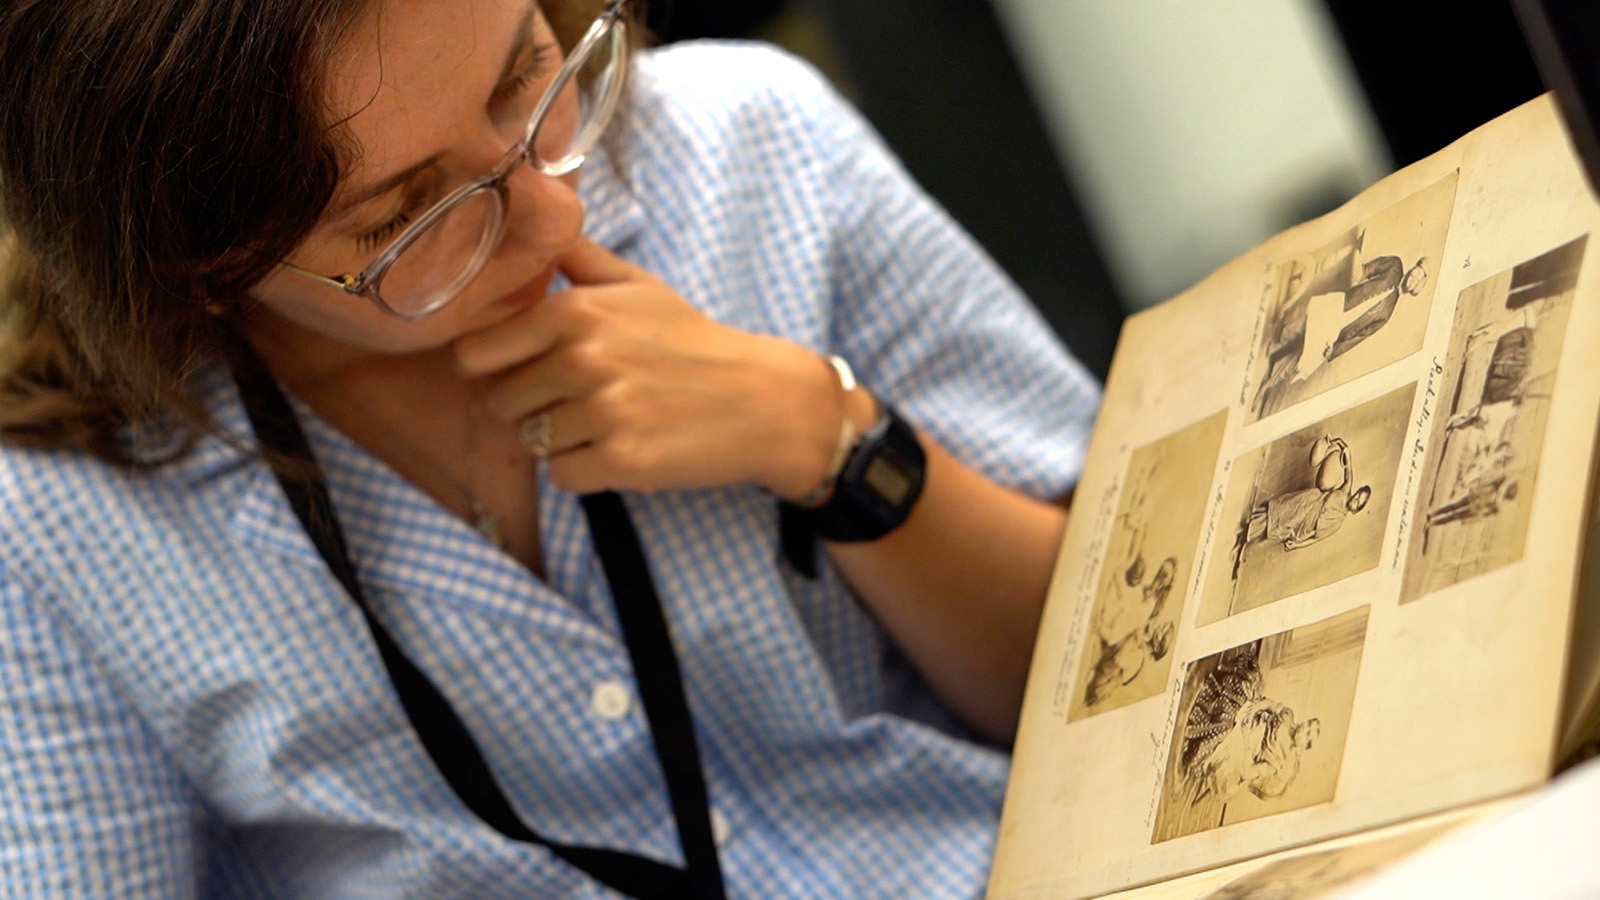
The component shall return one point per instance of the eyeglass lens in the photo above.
(443, 259)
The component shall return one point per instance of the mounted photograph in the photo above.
(1483, 454)
(1353, 306)
(1261, 727)
(1307, 509)
(1145, 580)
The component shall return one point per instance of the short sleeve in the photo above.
(931, 322)
(768, 202)
(90, 806)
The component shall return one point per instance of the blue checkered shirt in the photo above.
(190, 706)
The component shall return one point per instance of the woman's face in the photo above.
(433, 93)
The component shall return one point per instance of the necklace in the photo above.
(484, 521)
(487, 524)
(458, 493)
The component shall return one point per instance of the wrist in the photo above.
(815, 413)
(875, 492)
(857, 414)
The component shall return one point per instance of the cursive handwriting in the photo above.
(1418, 449)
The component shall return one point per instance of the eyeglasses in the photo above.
(437, 255)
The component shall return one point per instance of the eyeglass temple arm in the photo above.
(342, 282)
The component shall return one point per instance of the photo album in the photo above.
(1324, 595)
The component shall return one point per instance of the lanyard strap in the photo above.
(446, 739)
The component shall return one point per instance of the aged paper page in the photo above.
(1327, 868)
(1357, 594)
(1581, 713)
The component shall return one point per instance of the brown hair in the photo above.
(157, 158)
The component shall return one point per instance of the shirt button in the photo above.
(611, 700)
(720, 829)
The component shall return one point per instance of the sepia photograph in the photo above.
(1145, 577)
(1261, 727)
(1353, 306)
(1307, 509)
(1483, 452)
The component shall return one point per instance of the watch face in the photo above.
(878, 486)
(887, 481)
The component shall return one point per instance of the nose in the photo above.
(544, 215)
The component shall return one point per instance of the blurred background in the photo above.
(1110, 153)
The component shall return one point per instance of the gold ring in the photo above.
(538, 435)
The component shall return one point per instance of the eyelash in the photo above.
(519, 82)
(371, 240)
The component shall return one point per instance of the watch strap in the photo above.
(873, 495)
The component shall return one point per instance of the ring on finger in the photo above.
(538, 435)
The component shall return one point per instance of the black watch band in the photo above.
(877, 488)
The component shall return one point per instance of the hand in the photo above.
(647, 393)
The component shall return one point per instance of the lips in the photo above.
(529, 292)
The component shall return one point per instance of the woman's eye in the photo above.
(541, 57)
(509, 89)
(371, 240)
(420, 193)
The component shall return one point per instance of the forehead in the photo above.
(402, 76)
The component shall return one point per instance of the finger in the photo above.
(537, 384)
(530, 333)
(597, 465)
(588, 455)
(582, 471)
(590, 263)
(552, 320)
(600, 446)
(525, 390)
(620, 458)
(565, 429)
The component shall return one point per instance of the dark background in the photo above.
(938, 81)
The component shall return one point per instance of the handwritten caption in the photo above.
(1089, 576)
(1419, 446)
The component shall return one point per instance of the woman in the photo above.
(207, 195)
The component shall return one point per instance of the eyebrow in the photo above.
(524, 36)
(523, 39)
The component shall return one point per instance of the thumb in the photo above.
(589, 263)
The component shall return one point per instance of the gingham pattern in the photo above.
(189, 706)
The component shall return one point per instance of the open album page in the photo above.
(1321, 567)
(1327, 868)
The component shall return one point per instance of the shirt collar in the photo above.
(407, 549)
(614, 218)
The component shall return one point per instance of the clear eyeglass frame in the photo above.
(611, 26)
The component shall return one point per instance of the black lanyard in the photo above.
(443, 735)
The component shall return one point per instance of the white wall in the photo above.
(1194, 129)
